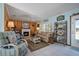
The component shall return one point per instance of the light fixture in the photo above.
(10, 24)
(37, 28)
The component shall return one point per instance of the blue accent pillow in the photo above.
(18, 40)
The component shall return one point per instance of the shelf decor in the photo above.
(61, 17)
(61, 32)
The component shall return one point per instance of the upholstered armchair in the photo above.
(9, 46)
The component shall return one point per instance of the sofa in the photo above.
(10, 46)
(45, 36)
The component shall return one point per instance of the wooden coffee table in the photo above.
(36, 40)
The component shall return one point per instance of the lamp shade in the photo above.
(37, 28)
(10, 24)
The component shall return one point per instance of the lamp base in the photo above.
(11, 29)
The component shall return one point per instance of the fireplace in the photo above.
(26, 32)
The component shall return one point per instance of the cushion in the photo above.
(12, 37)
(1, 36)
(18, 38)
(5, 37)
(3, 40)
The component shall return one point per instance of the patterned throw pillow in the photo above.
(18, 40)
(12, 37)
(3, 39)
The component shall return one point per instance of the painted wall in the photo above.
(67, 17)
(1, 17)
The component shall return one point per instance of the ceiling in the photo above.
(38, 11)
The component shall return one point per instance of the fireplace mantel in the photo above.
(26, 31)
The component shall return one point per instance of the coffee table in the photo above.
(36, 40)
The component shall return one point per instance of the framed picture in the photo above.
(61, 17)
(25, 25)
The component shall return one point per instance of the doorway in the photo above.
(74, 30)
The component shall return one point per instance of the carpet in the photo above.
(35, 46)
(55, 50)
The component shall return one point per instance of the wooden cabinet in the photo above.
(18, 25)
(33, 26)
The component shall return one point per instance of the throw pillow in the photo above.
(12, 39)
(18, 38)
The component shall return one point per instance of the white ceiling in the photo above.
(36, 10)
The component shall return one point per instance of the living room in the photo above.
(27, 29)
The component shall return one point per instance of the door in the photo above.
(75, 31)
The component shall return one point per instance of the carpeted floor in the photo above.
(55, 49)
(33, 47)
(75, 48)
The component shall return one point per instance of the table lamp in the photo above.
(11, 25)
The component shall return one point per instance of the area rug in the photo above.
(33, 46)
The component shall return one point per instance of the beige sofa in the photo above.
(45, 36)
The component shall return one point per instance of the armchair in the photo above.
(9, 45)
